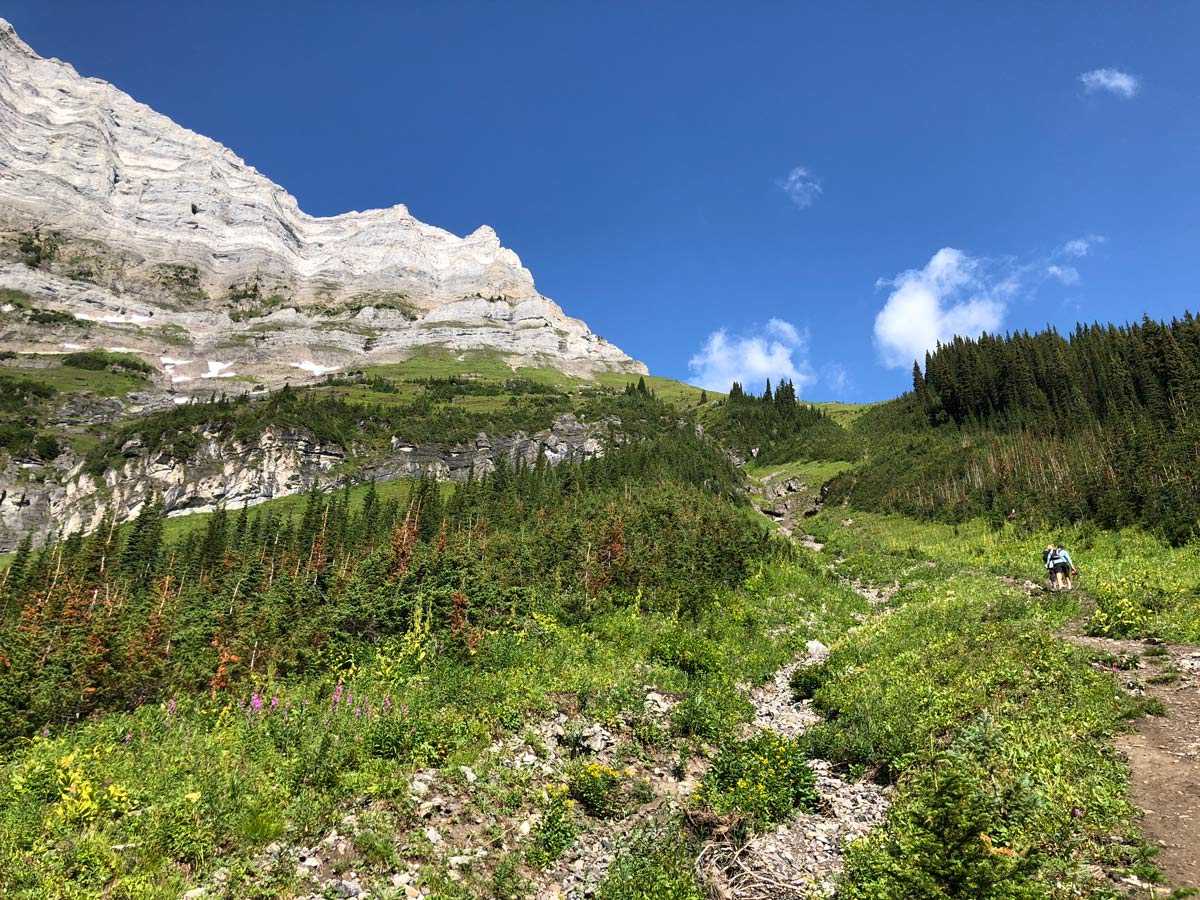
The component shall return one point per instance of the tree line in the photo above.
(1102, 425)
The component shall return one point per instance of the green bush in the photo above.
(963, 829)
(687, 650)
(711, 709)
(806, 679)
(656, 865)
(601, 789)
(557, 829)
(764, 778)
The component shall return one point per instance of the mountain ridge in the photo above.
(115, 214)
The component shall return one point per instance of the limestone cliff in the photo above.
(155, 239)
(275, 464)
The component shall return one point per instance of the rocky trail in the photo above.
(1164, 750)
(460, 825)
(802, 857)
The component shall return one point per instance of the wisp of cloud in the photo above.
(1114, 81)
(802, 186)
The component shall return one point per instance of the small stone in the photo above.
(347, 889)
(468, 773)
(432, 834)
(312, 862)
(195, 894)
(458, 861)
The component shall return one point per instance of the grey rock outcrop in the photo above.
(159, 240)
(275, 464)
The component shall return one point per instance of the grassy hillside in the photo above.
(477, 688)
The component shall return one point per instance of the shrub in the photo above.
(765, 778)
(47, 447)
(656, 865)
(956, 833)
(806, 679)
(601, 789)
(711, 709)
(687, 650)
(557, 829)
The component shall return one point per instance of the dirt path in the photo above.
(1164, 752)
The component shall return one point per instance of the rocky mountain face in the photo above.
(277, 463)
(125, 230)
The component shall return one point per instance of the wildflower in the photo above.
(357, 712)
(46, 731)
(256, 702)
(128, 737)
(337, 694)
(171, 707)
(274, 703)
(387, 704)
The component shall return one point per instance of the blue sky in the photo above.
(722, 189)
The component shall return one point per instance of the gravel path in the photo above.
(803, 856)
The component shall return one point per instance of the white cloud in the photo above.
(1081, 246)
(802, 186)
(1114, 81)
(954, 294)
(776, 350)
(957, 294)
(1068, 275)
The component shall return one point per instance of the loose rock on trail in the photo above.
(802, 857)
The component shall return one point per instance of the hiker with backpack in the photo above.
(1059, 568)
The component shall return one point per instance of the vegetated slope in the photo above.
(997, 733)
(112, 621)
(1103, 426)
(777, 427)
(67, 453)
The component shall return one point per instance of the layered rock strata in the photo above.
(158, 240)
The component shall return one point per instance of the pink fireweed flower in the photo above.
(387, 704)
(171, 707)
(337, 694)
(357, 712)
(256, 702)
(274, 703)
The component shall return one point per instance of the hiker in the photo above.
(1059, 567)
